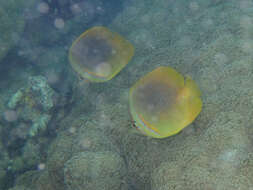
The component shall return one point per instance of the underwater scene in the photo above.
(126, 95)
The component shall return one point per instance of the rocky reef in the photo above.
(94, 144)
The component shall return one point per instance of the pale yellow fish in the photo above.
(162, 102)
(99, 54)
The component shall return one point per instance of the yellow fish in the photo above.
(99, 54)
(162, 102)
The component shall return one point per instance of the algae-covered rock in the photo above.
(95, 170)
(12, 19)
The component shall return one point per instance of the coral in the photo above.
(15, 99)
(33, 103)
(44, 182)
(71, 142)
(42, 92)
(95, 170)
(227, 167)
(40, 124)
(91, 139)
(60, 152)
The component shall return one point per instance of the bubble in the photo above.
(229, 156)
(103, 69)
(154, 119)
(132, 10)
(10, 115)
(207, 23)
(72, 130)
(43, 8)
(83, 86)
(145, 18)
(3, 48)
(95, 51)
(15, 36)
(247, 46)
(104, 120)
(188, 131)
(100, 99)
(245, 4)
(246, 22)
(220, 58)
(59, 23)
(21, 53)
(124, 95)
(21, 131)
(86, 9)
(103, 116)
(114, 52)
(188, 21)
(142, 37)
(75, 9)
(52, 77)
(86, 143)
(99, 8)
(41, 166)
(150, 107)
(194, 6)
(185, 41)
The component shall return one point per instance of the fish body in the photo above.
(99, 54)
(163, 102)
